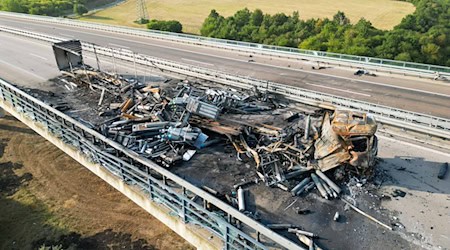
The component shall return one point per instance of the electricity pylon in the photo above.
(141, 10)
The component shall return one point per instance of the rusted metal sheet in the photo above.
(348, 138)
(331, 149)
(68, 54)
(346, 123)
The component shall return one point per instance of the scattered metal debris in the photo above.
(361, 72)
(365, 214)
(302, 232)
(309, 242)
(241, 199)
(398, 193)
(336, 216)
(279, 226)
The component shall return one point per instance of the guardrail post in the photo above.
(183, 204)
(61, 127)
(134, 63)
(121, 171)
(164, 180)
(2, 112)
(150, 184)
(227, 238)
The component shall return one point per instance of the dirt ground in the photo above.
(53, 200)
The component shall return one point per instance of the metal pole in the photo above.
(134, 63)
(145, 73)
(307, 127)
(241, 199)
(96, 58)
(114, 61)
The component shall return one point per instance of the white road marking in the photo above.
(281, 67)
(118, 45)
(41, 57)
(357, 80)
(292, 69)
(23, 70)
(194, 61)
(62, 34)
(342, 90)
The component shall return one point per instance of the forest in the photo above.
(422, 37)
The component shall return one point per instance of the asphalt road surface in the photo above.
(414, 94)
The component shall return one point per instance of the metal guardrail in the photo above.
(416, 69)
(150, 178)
(423, 123)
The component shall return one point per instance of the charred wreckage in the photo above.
(169, 122)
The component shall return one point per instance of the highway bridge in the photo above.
(27, 60)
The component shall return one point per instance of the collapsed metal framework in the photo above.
(148, 176)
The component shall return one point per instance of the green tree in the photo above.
(212, 24)
(171, 26)
(79, 9)
(340, 18)
(256, 17)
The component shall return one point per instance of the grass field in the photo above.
(384, 14)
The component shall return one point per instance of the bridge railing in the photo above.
(423, 123)
(416, 69)
(160, 185)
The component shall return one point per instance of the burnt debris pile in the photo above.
(168, 122)
(285, 145)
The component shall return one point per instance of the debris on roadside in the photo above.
(304, 211)
(336, 216)
(361, 72)
(365, 214)
(398, 193)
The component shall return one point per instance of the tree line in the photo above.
(50, 7)
(423, 36)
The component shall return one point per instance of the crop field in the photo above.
(383, 14)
